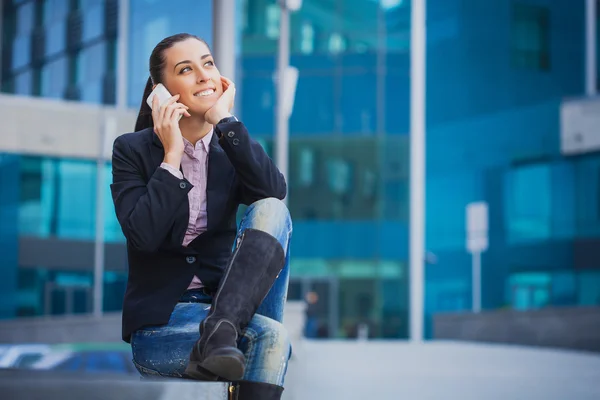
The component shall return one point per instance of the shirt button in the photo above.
(182, 185)
(190, 259)
(235, 141)
(231, 134)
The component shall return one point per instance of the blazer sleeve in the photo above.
(259, 176)
(145, 210)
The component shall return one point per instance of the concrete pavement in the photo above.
(382, 370)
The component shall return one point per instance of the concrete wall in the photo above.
(570, 328)
(53, 385)
(58, 128)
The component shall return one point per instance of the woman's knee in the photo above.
(267, 348)
(274, 208)
(271, 336)
(270, 215)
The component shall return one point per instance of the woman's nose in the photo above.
(203, 76)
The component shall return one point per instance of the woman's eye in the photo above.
(209, 63)
(184, 70)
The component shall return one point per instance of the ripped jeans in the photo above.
(164, 350)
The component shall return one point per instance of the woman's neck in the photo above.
(194, 129)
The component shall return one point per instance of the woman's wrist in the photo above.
(221, 116)
(173, 159)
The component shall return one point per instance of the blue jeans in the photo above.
(164, 350)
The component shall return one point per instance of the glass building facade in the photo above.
(497, 72)
(348, 180)
(67, 49)
(497, 75)
(63, 49)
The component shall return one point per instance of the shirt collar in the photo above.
(205, 141)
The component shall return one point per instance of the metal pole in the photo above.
(122, 49)
(99, 242)
(1, 30)
(476, 281)
(283, 60)
(590, 44)
(417, 169)
(107, 134)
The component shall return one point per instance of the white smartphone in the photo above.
(162, 93)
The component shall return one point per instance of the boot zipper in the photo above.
(232, 392)
(216, 298)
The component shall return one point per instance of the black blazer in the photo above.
(153, 210)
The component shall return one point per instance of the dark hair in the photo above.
(157, 64)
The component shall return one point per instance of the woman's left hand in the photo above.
(224, 105)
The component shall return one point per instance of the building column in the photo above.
(122, 53)
(590, 46)
(417, 168)
(225, 30)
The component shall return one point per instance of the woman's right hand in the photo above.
(166, 126)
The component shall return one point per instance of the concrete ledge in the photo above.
(50, 385)
(568, 328)
(62, 329)
(87, 328)
(59, 128)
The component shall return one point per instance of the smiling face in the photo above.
(190, 71)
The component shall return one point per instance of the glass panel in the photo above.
(25, 18)
(55, 292)
(21, 56)
(587, 198)
(23, 83)
(528, 203)
(37, 197)
(56, 37)
(76, 214)
(530, 290)
(54, 78)
(91, 66)
(93, 19)
(588, 288)
(530, 36)
(55, 10)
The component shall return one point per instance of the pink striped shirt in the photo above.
(194, 164)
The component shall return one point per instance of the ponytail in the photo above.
(144, 119)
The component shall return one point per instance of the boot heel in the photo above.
(195, 371)
(230, 366)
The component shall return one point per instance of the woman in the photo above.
(193, 308)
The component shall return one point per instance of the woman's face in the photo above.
(190, 71)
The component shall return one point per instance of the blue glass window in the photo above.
(23, 83)
(528, 203)
(54, 78)
(90, 72)
(93, 19)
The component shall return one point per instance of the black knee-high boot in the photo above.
(247, 279)
(247, 390)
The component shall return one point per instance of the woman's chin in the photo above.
(198, 112)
